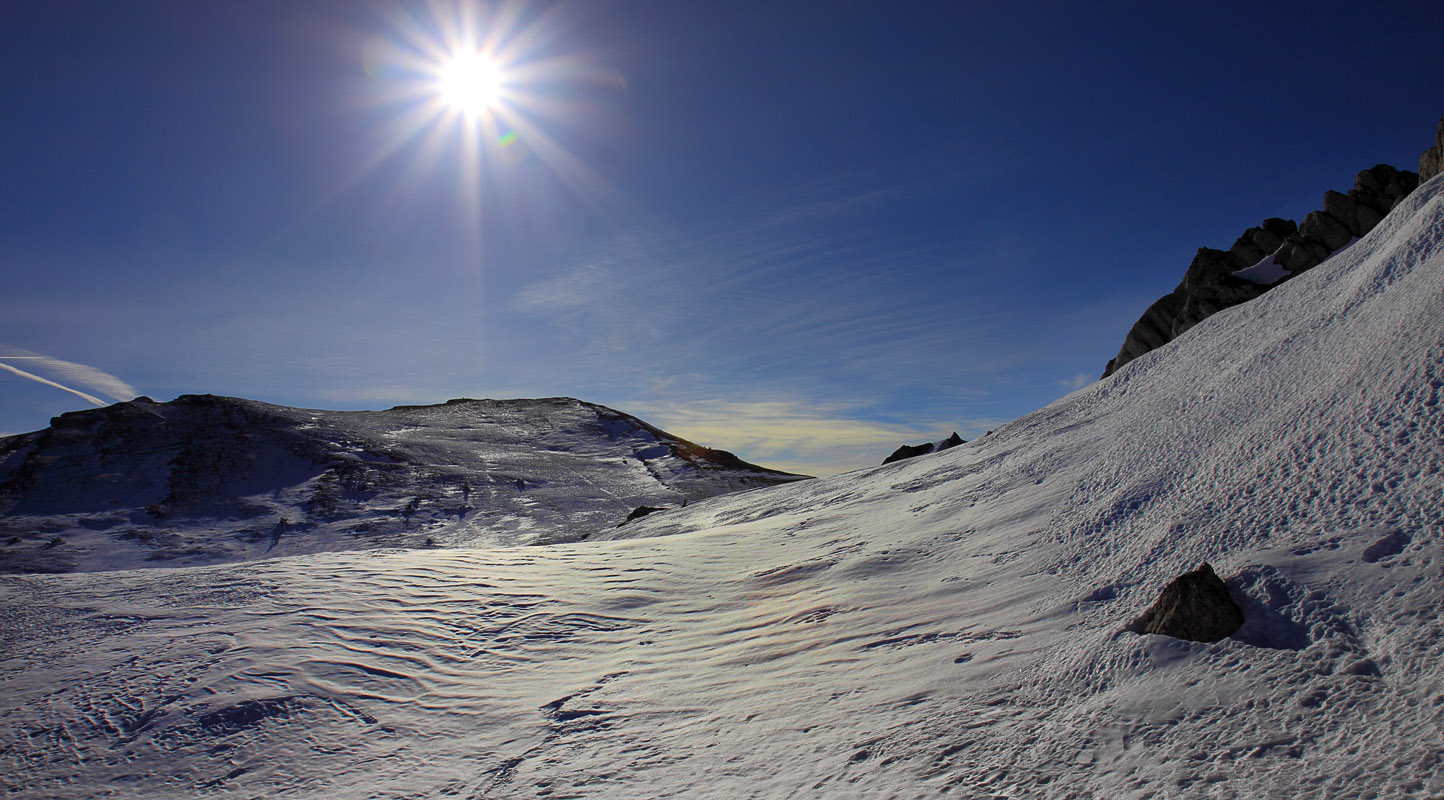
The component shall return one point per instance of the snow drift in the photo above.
(943, 625)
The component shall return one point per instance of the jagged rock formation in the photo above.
(1196, 606)
(1431, 163)
(1265, 256)
(1345, 217)
(912, 450)
(204, 479)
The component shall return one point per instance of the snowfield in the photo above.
(948, 624)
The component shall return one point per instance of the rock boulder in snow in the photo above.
(1196, 606)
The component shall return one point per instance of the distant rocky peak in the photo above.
(914, 450)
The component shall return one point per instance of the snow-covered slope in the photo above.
(941, 625)
(205, 479)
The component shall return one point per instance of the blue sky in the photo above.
(805, 232)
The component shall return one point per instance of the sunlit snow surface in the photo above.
(946, 624)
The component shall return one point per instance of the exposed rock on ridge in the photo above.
(1212, 284)
(913, 450)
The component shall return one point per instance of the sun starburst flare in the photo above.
(479, 91)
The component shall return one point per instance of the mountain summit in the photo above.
(203, 479)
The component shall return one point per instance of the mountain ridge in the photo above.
(262, 479)
(1275, 251)
(1264, 256)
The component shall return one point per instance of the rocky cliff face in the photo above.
(1431, 163)
(1264, 256)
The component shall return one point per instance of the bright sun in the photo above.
(471, 83)
(484, 81)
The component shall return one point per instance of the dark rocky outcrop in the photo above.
(1196, 606)
(1431, 163)
(1211, 284)
(1345, 217)
(908, 451)
(912, 450)
(639, 512)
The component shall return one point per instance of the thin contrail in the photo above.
(32, 376)
(94, 383)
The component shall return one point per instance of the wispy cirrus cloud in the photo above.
(52, 371)
(852, 201)
(1076, 382)
(594, 302)
(782, 335)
